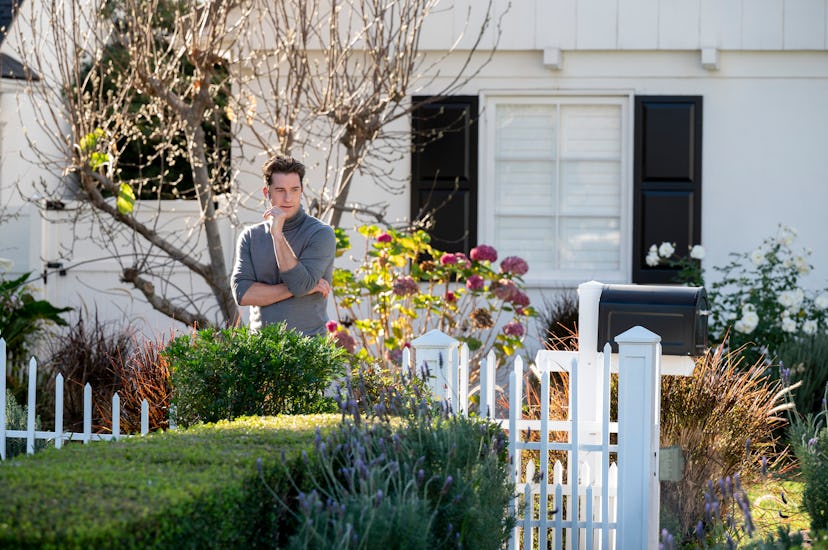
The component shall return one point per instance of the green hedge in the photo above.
(227, 373)
(194, 488)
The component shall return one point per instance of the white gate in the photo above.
(590, 501)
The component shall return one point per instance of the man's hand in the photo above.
(323, 287)
(278, 217)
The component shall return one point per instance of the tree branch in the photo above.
(130, 275)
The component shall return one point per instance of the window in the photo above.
(556, 185)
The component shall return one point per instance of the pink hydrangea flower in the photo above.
(475, 282)
(504, 289)
(519, 298)
(345, 340)
(448, 259)
(384, 238)
(461, 258)
(514, 265)
(514, 328)
(331, 326)
(483, 253)
(450, 297)
(405, 286)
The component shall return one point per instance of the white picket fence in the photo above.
(588, 502)
(58, 435)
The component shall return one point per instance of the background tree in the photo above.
(136, 98)
(339, 77)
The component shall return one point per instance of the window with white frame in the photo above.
(556, 184)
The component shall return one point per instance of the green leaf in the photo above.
(90, 140)
(126, 199)
(96, 160)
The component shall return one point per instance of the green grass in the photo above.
(190, 488)
(776, 502)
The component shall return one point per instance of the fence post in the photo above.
(435, 351)
(30, 412)
(59, 411)
(2, 399)
(639, 397)
(590, 389)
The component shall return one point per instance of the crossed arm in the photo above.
(263, 294)
(298, 277)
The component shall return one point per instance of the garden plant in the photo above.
(404, 287)
(222, 374)
(756, 300)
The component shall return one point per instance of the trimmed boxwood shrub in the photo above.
(194, 488)
(221, 374)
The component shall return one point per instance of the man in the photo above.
(284, 264)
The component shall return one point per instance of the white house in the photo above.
(598, 128)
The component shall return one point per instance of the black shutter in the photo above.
(666, 179)
(444, 170)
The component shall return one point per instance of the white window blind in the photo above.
(557, 184)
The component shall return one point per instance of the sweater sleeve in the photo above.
(243, 275)
(315, 262)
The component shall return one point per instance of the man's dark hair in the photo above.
(281, 164)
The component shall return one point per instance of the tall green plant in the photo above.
(404, 287)
(23, 317)
(224, 374)
(809, 439)
(804, 361)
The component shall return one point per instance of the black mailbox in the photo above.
(678, 314)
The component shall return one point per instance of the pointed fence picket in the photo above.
(58, 435)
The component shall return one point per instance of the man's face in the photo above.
(285, 192)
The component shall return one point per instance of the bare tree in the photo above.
(135, 97)
(341, 73)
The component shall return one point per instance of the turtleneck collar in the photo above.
(296, 220)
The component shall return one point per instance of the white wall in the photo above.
(765, 112)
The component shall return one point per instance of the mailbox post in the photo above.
(437, 352)
(677, 315)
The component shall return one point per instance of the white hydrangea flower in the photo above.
(802, 265)
(791, 299)
(729, 315)
(666, 249)
(653, 249)
(747, 323)
(822, 301)
(757, 257)
(786, 235)
(652, 259)
(809, 326)
(697, 252)
(788, 324)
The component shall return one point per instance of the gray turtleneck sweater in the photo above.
(314, 244)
